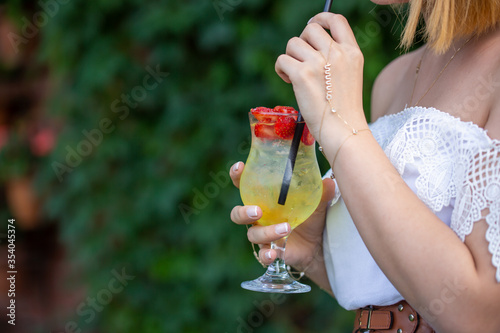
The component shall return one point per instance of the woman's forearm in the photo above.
(417, 252)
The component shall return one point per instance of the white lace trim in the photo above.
(457, 162)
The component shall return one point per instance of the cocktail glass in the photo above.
(261, 183)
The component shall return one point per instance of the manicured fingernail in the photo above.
(236, 166)
(252, 211)
(309, 20)
(282, 229)
(268, 255)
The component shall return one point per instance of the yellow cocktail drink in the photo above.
(263, 180)
(263, 175)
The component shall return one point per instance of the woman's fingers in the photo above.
(338, 26)
(328, 194)
(245, 214)
(328, 190)
(301, 50)
(284, 64)
(265, 234)
(266, 255)
(317, 37)
(235, 173)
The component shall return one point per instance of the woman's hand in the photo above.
(303, 66)
(304, 242)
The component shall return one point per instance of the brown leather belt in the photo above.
(396, 318)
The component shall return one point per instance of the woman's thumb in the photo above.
(328, 192)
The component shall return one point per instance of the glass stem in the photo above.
(278, 267)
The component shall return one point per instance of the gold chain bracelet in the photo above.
(329, 97)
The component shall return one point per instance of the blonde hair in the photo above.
(449, 19)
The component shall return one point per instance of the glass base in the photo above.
(281, 283)
(276, 279)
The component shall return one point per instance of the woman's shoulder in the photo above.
(488, 83)
(392, 81)
(493, 123)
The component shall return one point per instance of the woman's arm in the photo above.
(421, 256)
(450, 282)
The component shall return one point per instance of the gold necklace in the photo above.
(438, 76)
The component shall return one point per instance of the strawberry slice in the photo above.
(271, 126)
(263, 114)
(265, 131)
(285, 109)
(285, 127)
(307, 137)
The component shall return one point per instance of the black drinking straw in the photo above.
(292, 156)
(328, 5)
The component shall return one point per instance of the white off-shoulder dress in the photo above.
(452, 166)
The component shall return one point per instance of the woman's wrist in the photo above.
(314, 268)
(351, 144)
(310, 263)
(336, 132)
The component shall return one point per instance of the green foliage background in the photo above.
(121, 206)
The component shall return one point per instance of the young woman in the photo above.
(413, 243)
